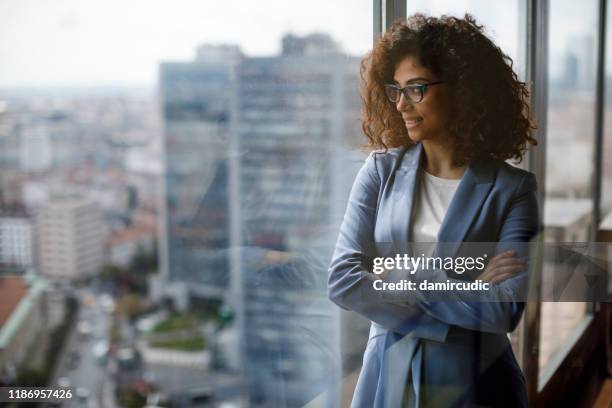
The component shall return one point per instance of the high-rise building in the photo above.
(293, 114)
(194, 235)
(581, 60)
(71, 234)
(257, 176)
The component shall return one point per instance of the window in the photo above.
(568, 205)
(505, 24)
(228, 132)
(248, 114)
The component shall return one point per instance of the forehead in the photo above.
(410, 68)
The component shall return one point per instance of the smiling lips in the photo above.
(412, 122)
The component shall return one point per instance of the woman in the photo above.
(445, 110)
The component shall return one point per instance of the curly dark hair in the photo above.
(490, 115)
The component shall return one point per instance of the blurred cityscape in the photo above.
(170, 247)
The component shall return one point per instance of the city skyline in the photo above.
(75, 40)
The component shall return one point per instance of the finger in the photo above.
(503, 270)
(501, 278)
(499, 257)
(509, 269)
(486, 275)
(493, 277)
(493, 265)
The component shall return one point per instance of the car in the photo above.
(128, 359)
(63, 382)
(100, 351)
(84, 329)
(107, 302)
(82, 393)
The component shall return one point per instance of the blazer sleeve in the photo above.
(499, 309)
(350, 283)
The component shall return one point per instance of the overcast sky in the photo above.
(92, 42)
(46, 42)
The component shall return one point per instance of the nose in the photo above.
(402, 103)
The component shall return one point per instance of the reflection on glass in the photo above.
(570, 142)
(236, 172)
(254, 182)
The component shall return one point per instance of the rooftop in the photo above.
(12, 290)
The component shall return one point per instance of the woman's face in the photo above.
(428, 119)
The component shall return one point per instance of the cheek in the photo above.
(434, 116)
(438, 114)
(439, 106)
(443, 116)
(445, 109)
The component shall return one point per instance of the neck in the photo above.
(438, 160)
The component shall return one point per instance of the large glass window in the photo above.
(570, 147)
(172, 179)
(511, 38)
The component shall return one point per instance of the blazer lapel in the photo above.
(402, 194)
(462, 211)
(464, 207)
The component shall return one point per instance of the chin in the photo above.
(416, 137)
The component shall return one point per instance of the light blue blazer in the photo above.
(457, 351)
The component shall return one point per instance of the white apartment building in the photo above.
(71, 236)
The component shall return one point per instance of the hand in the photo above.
(502, 266)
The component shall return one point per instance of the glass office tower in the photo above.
(196, 111)
(256, 182)
(291, 115)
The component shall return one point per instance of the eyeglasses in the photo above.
(413, 93)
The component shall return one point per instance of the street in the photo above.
(84, 365)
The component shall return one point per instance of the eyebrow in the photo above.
(412, 80)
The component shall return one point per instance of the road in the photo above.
(78, 362)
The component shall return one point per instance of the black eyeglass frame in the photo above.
(421, 87)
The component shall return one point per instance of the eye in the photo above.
(392, 92)
(414, 90)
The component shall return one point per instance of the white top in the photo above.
(432, 199)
